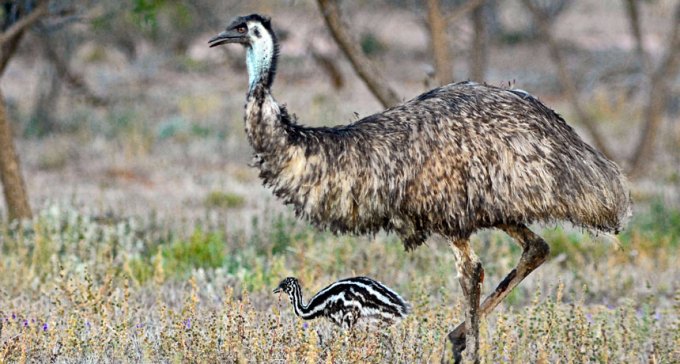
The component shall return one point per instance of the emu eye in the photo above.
(241, 29)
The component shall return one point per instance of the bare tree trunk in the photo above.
(10, 172)
(565, 78)
(478, 53)
(370, 74)
(657, 99)
(13, 185)
(441, 52)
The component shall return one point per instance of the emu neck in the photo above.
(300, 308)
(261, 62)
(263, 121)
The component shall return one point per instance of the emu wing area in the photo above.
(454, 160)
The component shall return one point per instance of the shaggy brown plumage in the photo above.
(452, 161)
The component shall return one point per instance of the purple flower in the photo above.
(187, 323)
(305, 325)
(45, 327)
(139, 326)
(14, 316)
(589, 317)
(25, 323)
(657, 316)
(87, 324)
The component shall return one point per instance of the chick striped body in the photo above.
(348, 301)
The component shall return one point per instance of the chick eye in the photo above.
(241, 29)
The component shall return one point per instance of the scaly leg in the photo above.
(470, 275)
(535, 253)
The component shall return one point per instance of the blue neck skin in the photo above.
(259, 62)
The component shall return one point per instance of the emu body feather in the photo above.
(451, 161)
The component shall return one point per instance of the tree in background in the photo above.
(544, 14)
(658, 82)
(17, 17)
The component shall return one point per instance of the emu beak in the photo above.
(278, 289)
(227, 36)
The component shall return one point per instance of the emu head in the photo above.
(255, 33)
(287, 285)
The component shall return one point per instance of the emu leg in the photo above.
(535, 253)
(470, 275)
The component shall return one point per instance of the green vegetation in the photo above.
(371, 45)
(218, 199)
(78, 288)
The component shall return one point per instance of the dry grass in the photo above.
(78, 289)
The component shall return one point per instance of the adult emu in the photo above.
(454, 160)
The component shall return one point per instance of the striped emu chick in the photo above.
(348, 301)
(452, 161)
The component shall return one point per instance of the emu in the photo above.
(452, 161)
(348, 301)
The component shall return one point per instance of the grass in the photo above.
(73, 288)
(219, 199)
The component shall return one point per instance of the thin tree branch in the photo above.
(565, 78)
(65, 72)
(657, 99)
(633, 12)
(462, 10)
(7, 51)
(23, 23)
(329, 65)
(362, 65)
(9, 39)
